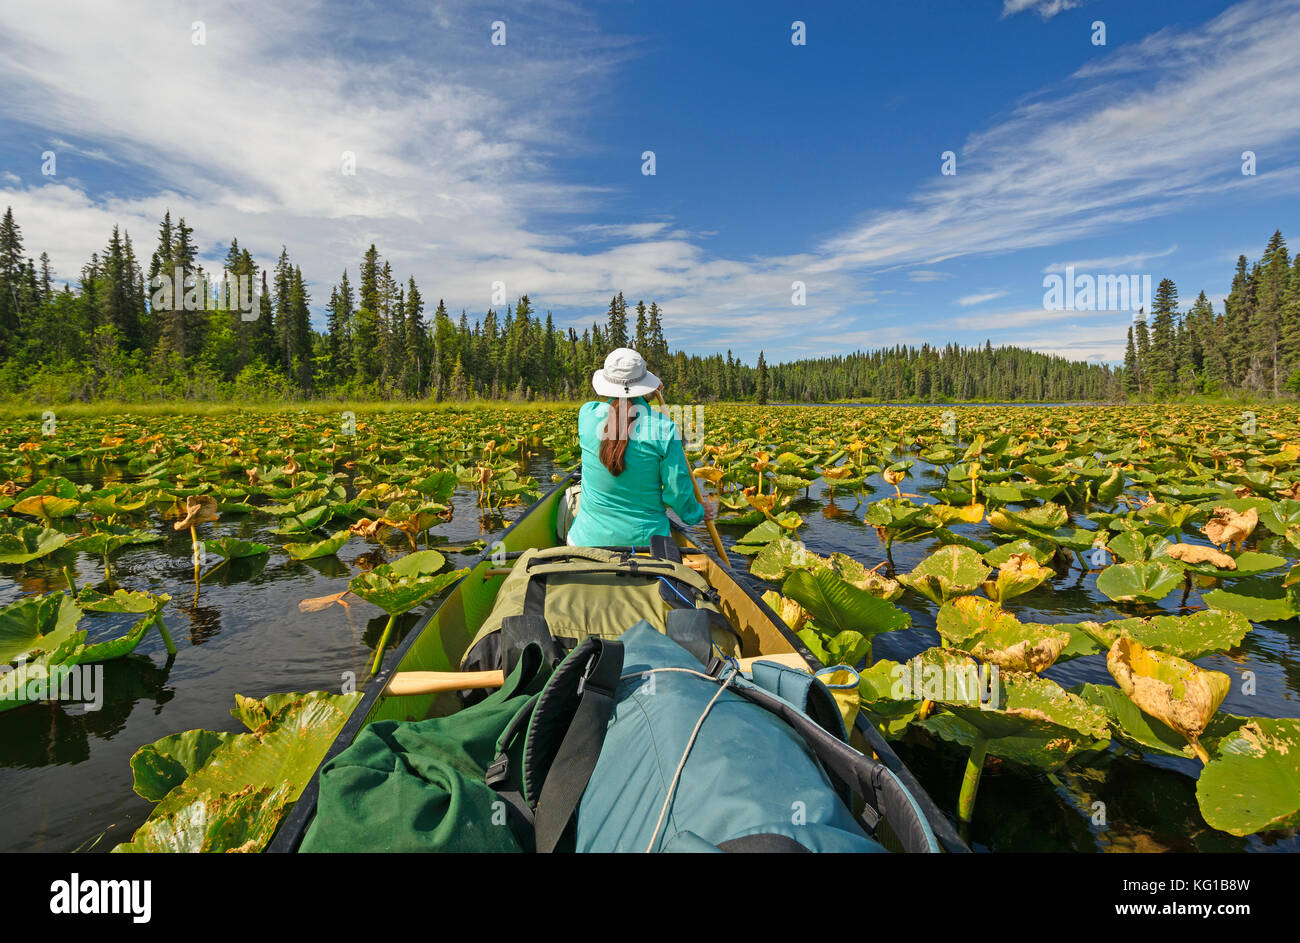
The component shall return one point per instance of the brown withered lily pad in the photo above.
(1170, 689)
(1229, 526)
(1192, 553)
(199, 509)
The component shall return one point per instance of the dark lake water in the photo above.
(65, 777)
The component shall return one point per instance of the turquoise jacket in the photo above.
(629, 509)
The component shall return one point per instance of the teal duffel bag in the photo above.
(632, 746)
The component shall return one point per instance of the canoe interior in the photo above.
(437, 644)
(441, 642)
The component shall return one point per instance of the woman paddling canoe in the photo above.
(633, 463)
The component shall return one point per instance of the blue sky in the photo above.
(820, 163)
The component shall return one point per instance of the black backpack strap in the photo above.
(665, 548)
(518, 632)
(570, 770)
(535, 595)
(500, 781)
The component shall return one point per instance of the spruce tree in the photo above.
(1142, 340)
(1131, 386)
(416, 339)
(642, 328)
(1163, 357)
(1273, 285)
(616, 323)
(11, 269)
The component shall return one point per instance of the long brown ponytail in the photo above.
(613, 437)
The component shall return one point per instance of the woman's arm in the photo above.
(679, 492)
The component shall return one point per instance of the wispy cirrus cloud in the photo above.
(967, 301)
(1114, 262)
(1064, 164)
(1044, 8)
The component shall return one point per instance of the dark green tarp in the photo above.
(420, 786)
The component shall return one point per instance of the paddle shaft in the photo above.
(438, 682)
(695, 483)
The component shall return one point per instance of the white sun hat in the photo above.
(624, 375)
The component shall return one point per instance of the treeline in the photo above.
(1251, 347)
(112, 333)
(944, 374)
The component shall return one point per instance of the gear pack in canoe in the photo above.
(628, 745)
(558, 596)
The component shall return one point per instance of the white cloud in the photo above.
(928, 275)
(1113, 263)
(1044, 8)
(1068, 164)
(967, 300)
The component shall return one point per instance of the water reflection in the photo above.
(50, 733)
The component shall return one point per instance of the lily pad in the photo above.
(838, 606)
(1170, 689)
(244, 785)
(1191, 636)
(1260, 600)
(400, 587)
(320, 548)
(991, 634)
(30, 542)
(949, 571)
(1134, 582)
(1252, 784)
(231, 548)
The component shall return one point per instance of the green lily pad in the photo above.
(242, 821)
(1039, 550)
(842, 648)
(30, 542)
(36, 624)
(1134, 582)
(779, 558)
(949, 571)
(400, 587)
(321, 548)
(991, 634)
(231, 548)
(216, 807)
(1260, 600)
(1191, 636)
(1252, 783)
(121, 600)
(163, 765)
(838, 606)
(1033, 752)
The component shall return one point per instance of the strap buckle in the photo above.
(585, 680)
(498, 772)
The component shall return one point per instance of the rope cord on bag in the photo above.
(672, 786)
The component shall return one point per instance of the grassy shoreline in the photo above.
(14, 410)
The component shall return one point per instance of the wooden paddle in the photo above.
(437, 682)
(695, 483)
